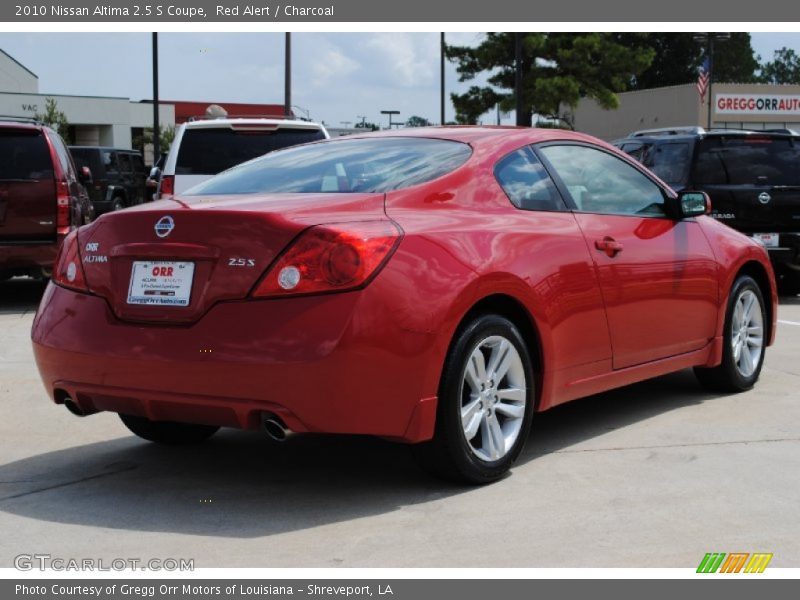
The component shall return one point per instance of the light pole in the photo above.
(441, 66)
(287, 77)
(708, 39)
(156, 124)
(390, 113)
(522, 119)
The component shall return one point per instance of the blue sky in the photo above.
(336, 76)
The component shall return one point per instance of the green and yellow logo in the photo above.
(735, 562)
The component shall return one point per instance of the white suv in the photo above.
(209, 145)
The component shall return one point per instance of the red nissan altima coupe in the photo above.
(436, 286)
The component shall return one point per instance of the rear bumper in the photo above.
(14, 257)
(323, 364)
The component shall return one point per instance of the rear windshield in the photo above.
(748, 161)
(211, 151)
(670, 161)
(24, 156)
(343, 165)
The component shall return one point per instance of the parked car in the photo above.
(207, 146)
(434, 286)
(119, 176)
(42, 198)
(752, 177)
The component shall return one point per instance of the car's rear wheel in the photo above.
(744, 340)
(485, 403)
(117, 204)
(168, 432)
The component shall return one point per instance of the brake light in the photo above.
(63, 212)
(167, 186)
(68, 271)
(331, 258)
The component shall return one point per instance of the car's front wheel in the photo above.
(485, 403)
(744, 340)
(168, 432)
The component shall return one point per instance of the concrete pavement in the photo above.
(652, 475)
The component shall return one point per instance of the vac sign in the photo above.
(757, 104)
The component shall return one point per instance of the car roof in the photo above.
(667, 136)
(482, 135)
(219, 122)
(21, 124)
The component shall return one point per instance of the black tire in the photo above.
(117, 204)
(168, 432)
(727, 376)
(449, 454)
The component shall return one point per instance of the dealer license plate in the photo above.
(768, 240)
(161, 283)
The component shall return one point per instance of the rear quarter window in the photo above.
(25, 156)
(208, 151)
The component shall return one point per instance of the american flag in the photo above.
(704, 71)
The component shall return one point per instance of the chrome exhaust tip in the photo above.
(275, 429)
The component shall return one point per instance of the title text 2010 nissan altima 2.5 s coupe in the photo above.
(435, 286)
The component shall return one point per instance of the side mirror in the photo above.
(155, 173)
(693, 204)
(85, 176)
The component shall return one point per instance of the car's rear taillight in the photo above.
(68, 271)
(167, 186)
(63, 208)
(331, 258)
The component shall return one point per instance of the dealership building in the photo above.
(103, 120)
(734, 106)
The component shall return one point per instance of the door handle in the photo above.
(609, 245)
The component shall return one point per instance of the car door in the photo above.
(658, 275)
(551, 253)
(126, 177)
(139, 177)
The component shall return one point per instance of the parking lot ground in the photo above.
(652, 475)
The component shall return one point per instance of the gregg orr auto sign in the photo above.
(757, 104)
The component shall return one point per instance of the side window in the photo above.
(526, 182)
(124, 162)
(138, 164)
(602, 183)
(62, 153)
(111, 159)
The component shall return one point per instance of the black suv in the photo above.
(752, 177)
(119, 176)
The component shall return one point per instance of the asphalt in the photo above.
(652, 475)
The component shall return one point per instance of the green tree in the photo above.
(55, 119)
(678, 56)
(783, 68)
(165, 138)
(558, 70)
(415, 121)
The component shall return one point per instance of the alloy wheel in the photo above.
(493, 398)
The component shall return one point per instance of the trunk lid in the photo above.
(221, 244)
